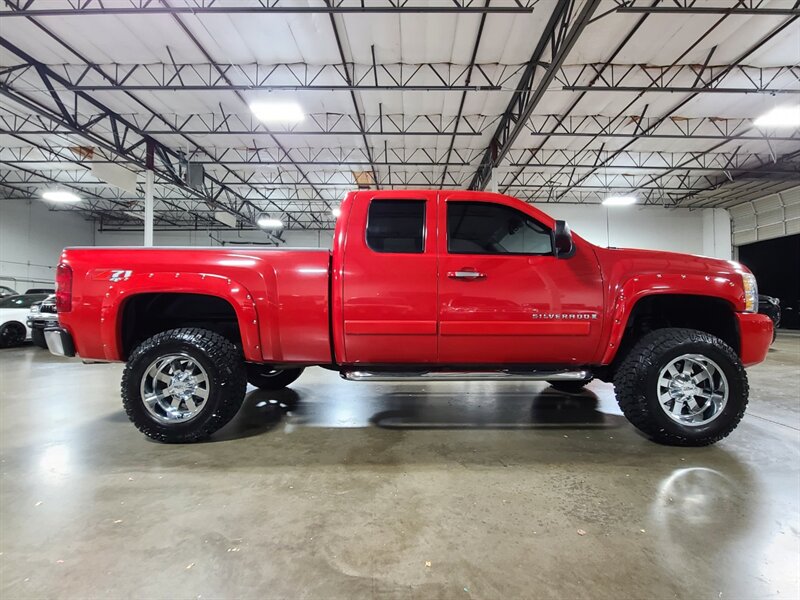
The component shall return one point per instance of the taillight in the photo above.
(63, 288)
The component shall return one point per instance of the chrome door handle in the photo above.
(466, 275)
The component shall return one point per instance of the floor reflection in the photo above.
(480, 405)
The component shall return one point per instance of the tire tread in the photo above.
(218, 350)
(629, 383)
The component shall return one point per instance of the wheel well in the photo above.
(145, 315)
(704, 313)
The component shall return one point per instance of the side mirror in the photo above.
(563, 246)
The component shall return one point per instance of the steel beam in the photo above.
(559, 36)
(43, 8)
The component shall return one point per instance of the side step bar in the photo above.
(503, 375)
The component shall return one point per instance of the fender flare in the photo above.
(632, 290)
(166, 282)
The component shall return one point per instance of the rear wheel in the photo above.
(183, 385)
(682, 387)
(570, 387)
(267, 378)
(12, 334)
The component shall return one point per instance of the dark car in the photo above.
(41, 291)
(770, 306)
(6, 291)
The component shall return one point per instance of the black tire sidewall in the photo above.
(730, 414)
(181, 431)
(14, 342)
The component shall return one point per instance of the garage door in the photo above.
(770, 217)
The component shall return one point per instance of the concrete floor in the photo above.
(345, 490)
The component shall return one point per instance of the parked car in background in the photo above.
(13, 317)
(6, 291)
(770, 306)
(42, 314)
(41, 291)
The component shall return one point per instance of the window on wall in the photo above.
(396, 226)
(488, 228)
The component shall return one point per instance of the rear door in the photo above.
(390, 277)
(503, 296)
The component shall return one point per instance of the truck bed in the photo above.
(280, 296)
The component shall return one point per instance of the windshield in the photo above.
(23, 301)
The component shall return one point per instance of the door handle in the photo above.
(470, 275)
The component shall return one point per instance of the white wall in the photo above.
(706, 231)
(31, 240)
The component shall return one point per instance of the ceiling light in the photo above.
(277, 112)
(619, 200)
(780, 116)
(337, 212)
(266, 222)
(60, 196)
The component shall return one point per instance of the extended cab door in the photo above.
(503, 295)
(389, 278)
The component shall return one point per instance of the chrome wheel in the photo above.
(175, 388)
(692, 390)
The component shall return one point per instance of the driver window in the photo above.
(489, 228)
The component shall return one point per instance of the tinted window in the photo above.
(487, 228)
(396, 226)
(21, 301)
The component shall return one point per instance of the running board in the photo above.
(503, 375)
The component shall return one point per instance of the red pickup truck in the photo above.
(420, 284)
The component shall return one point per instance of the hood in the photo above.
(668, 262)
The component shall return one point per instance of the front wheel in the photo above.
(37, 337)
(682, 387)
(12, 334)
(266, 378)
(183, 385)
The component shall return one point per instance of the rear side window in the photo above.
(396, 226)
(488, 228)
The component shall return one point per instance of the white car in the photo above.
(13, 316)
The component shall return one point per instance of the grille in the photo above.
(48, 308)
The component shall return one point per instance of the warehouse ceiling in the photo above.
(546, 100)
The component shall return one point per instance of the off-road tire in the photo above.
(37, 337)
(12, 334)
(570, 387)
(222, 361)
(259, 376)
(635, 383)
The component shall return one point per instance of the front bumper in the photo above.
(59, 341)
(755, 337)
(40, 323)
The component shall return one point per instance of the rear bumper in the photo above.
(59, 341)
(755, 337)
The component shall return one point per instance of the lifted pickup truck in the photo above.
(419, 284)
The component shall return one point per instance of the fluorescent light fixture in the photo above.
(336, 211)
(277, 112)
(266, 222)
(780, 116)
(60, 196)
(619, 200)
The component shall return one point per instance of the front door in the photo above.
(503, 295)
(389, 289)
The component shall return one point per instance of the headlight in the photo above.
(750, 292)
